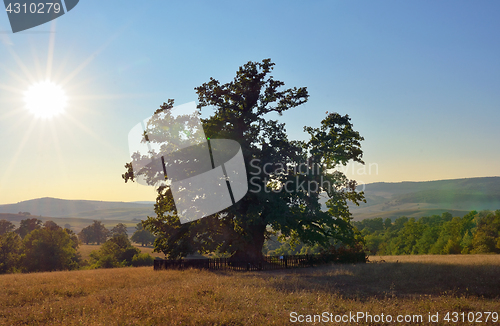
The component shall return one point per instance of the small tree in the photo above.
(48, 249)
(6, 226)
(487, 237)
(28, 225)
(142, 236)
(94, 233)
(100, 232)
(86, 235)
(51, 225)
(142, 259)
(74, 237)
(10, 245)
(115, 252)
(119, 229)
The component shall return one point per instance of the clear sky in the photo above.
(420, 80)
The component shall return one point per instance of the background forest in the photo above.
(474, 233)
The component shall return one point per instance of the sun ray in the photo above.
(94, 55)
(15, 76)
(8, 114)
(62, 167)
(91, 134)
(11, 89)
(50, 55)
(68, 125)
(14, 158)
(21, 65)
(113, 96)
(36, 61)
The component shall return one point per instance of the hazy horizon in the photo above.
(152, 201)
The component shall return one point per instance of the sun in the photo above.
(45, 99)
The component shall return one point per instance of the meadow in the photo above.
(406, 286)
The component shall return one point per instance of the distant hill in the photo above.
(416, 199)
(91, 209)
(392, 200)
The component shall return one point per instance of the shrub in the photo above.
(142, 260)
(115, 252)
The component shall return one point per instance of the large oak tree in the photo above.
(286, 178)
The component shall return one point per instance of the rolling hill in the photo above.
(416, 199)
(89, 209)
(78, 213)
(387, 200)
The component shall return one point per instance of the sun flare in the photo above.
(45, 99)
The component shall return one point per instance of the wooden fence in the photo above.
(267, 263)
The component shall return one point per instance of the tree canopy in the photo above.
(475, 233)
(28, 225)
(6, 226)
(120, 228)
(115, 252)
(95, 233)
(142, 236)
(49, 248)
(286, 178)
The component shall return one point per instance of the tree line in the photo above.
(36, 246)
(474, 233)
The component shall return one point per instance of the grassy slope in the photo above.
(417, 199)
(123, 214)
(61, 207)
(140, 296)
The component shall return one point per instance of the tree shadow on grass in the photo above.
(406, 279)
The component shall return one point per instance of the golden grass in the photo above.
(141, 296)
(489, 259)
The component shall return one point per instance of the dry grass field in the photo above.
(405, 286)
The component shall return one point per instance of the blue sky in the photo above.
(420, 80)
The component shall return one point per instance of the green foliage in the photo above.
(241, 110)
(372, 225)
(473, 233)
(28, 225)
(115, 252)
(142, 259)
(289, 246)
(120, 228)
(43, 249)
(48, 249)
(428, 238)
(10, 249)
(97, 233)
(487, 237)
(6, 226)
(142, 236)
